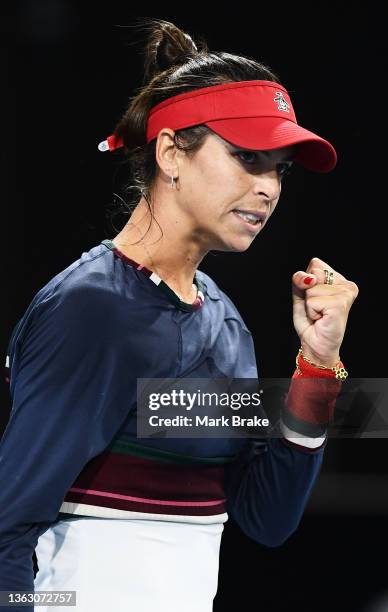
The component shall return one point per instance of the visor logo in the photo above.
(282, 103)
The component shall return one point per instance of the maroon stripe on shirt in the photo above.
(149, 479)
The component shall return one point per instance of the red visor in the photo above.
(249, 114)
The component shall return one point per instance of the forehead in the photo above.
(280, 154)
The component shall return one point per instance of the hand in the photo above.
(320, 311)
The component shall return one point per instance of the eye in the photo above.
(284, 169)
(239, 153)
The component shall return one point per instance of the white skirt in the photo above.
(130, 565)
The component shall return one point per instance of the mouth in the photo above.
(253, 220)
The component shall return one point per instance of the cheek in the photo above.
(215, 184)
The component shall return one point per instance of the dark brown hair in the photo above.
(173, 64)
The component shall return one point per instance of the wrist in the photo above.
(306, 368)
(327, 360)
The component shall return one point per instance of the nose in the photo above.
(267, 184)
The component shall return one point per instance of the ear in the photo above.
(166, 153)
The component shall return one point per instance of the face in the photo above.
(221, 182)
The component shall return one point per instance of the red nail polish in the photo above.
(308, 280)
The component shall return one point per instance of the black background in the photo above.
(69, 69)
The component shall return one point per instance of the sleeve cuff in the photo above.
(300, 439)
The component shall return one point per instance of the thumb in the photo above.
(300, 282)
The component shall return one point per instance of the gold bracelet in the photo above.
(339, 371)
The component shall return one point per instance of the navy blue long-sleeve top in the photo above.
(74, 358)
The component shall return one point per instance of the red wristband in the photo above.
(308, 370)
(311, 398)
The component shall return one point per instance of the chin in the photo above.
(242, 248)
(235, 246)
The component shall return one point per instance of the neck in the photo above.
(173, 256)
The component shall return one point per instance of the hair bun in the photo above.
(174, 47)
(166, 46)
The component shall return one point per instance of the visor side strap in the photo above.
(110, 144)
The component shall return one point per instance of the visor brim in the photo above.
(266, 133)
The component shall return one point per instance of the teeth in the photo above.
(247, 216)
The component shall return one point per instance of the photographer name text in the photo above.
(206, 421)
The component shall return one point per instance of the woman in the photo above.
(131, 525)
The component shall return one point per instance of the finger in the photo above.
(340, 283)
(300, 282)
(318, 266)
(319, 305)
(320, 275)
(342, 291)
(314, 306)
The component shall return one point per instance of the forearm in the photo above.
(268, 488)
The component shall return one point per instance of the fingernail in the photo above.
(308, 280)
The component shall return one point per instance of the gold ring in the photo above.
(329, 277)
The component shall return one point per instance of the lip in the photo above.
(253, 228)
(261, 215)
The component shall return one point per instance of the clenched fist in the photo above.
(320, 311)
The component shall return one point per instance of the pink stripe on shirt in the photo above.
(147, 501)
